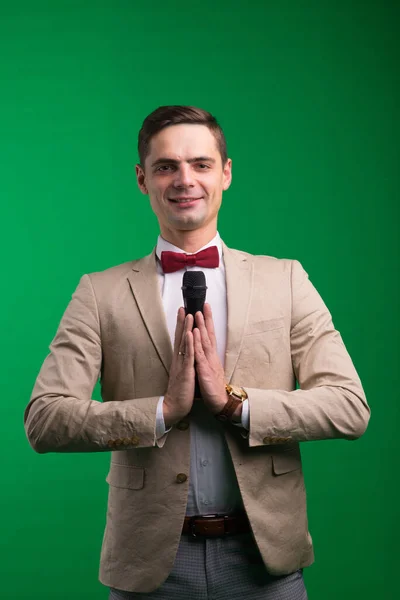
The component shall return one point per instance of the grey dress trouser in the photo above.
(221, 568)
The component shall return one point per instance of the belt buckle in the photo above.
(215, 516)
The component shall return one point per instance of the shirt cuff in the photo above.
(245, 417)
(160, 423)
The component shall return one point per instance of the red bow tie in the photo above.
(175, 261)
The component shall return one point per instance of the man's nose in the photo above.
(183, 176)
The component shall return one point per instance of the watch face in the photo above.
(237, 391)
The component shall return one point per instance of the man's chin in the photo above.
(187, 224)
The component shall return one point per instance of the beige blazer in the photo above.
(279, 330)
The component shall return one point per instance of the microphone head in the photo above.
(194, 285)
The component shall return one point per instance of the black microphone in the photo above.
(194, 295)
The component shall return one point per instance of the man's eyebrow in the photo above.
(172, 161)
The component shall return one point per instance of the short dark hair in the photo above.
(164, 116)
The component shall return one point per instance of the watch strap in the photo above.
(229, 408)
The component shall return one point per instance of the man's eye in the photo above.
(163, 168)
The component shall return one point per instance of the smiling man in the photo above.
(206, 495)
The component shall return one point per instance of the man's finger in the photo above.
(198, 346)
(189, 348)
(187, 326)
(205, 340)
(180, 323)
(188, 323)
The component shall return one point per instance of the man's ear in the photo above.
(227, 174)
(140, 177)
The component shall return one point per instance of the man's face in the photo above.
(184, 178)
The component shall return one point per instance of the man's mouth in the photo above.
(183, 200)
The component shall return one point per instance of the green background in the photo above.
(307, 93)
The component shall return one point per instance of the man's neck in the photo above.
(189, 241)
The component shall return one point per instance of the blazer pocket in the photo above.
(286, 461)
(262, 341)
(263, 326)
(123, 476)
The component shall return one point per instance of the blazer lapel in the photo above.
(239, 285)
(145, 287)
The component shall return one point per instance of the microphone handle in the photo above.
(197, 392)
(192, 307)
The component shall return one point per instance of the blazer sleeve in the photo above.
(61, 416)
(330, 402)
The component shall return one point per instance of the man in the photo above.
(234, 452)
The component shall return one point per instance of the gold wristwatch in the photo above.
(236, 395)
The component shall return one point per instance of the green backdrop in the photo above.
(307, 93)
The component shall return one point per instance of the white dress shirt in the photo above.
(213, 485)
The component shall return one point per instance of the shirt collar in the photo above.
(163, 245)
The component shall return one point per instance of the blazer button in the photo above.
(126, 441)
(182, 425)
(181, 478)
(110, 443)
(134, 440)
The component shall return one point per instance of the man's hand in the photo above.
(179, 397)
(210, 372)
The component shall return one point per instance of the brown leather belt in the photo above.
(216, 525)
